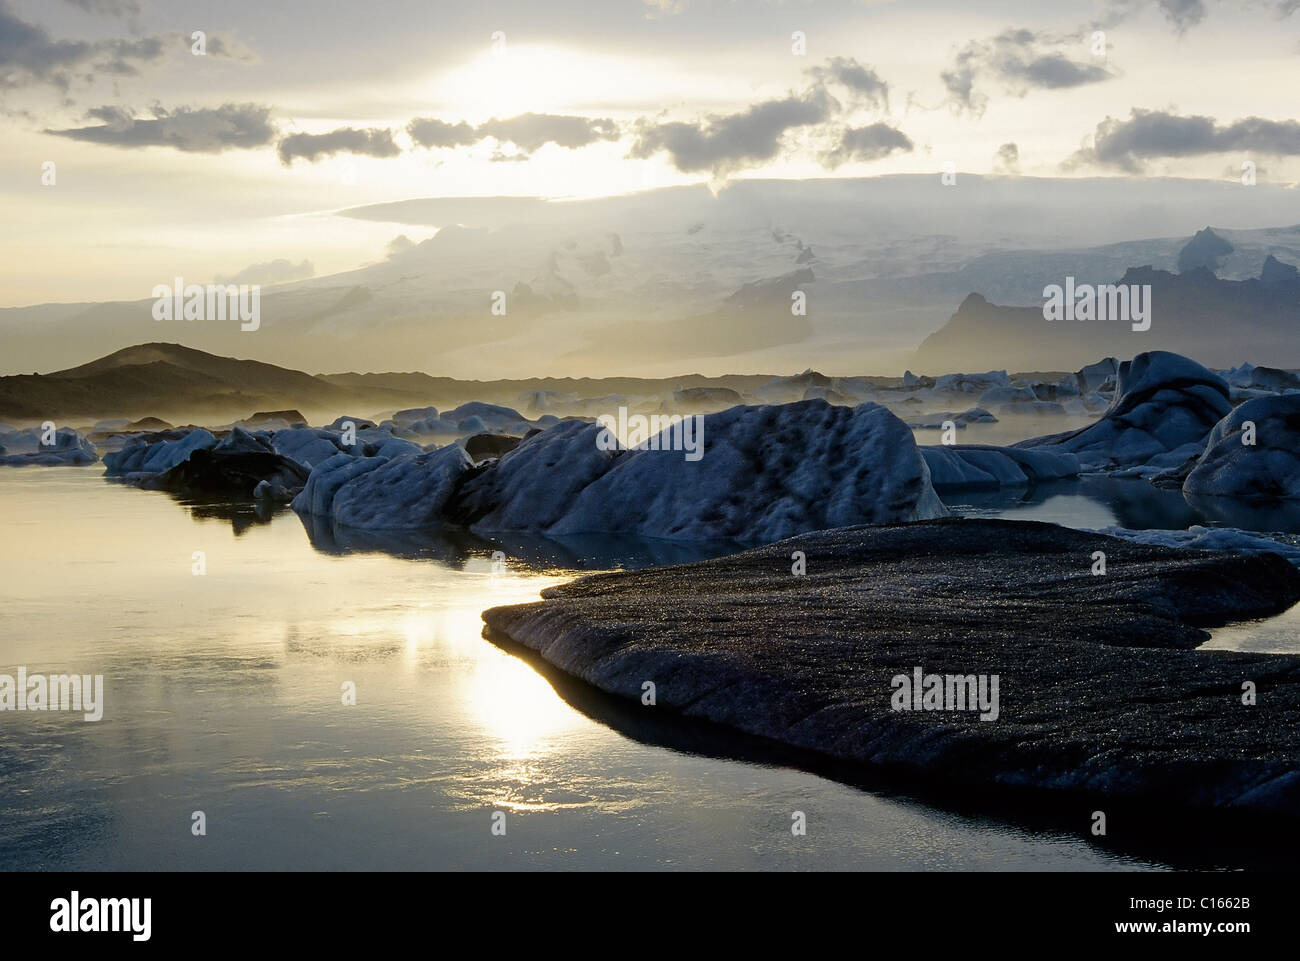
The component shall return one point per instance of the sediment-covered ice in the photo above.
(1103, 695)
(151, 454)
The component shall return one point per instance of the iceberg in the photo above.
(1163, 402)
(23, 448)
(1252, 454)
(765, 472)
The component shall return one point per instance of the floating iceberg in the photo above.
(1252, 454)
(378, 493)
(978, 467)
(1163, 402)
(24, 448)
(765, 473)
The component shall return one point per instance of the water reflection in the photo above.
(1095, 501)
(461, 549)
(1153, 834)
(242, 513)
(223, 695)
(1230, 512)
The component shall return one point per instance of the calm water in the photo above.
(223, 696)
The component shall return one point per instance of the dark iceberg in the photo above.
(1102, 692)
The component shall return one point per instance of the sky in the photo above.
(231, 162)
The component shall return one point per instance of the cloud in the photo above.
(1183, 14)
(860, 80)
(111, 8)
(428, 132)
(222, 46)
(29, 55)
(1007, 159)
(399, 245)
(529, 132)
(1151, 134)
(1020, 60)
(663, 8)
(372, 142)
(722, 144)
(866, 143)
(279, 271)
(190, 129)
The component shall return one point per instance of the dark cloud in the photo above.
(860, 80)
(279, 271)
(722, 144)
(29, 55)
(1007, 159)
(191, 129)
(1019, 60)
(372, 142)
(1151, 134)
(529, 132)
(428, 132)
(1183, 14)
(866, 143)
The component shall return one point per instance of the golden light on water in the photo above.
(515, 705)
(503, 696)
